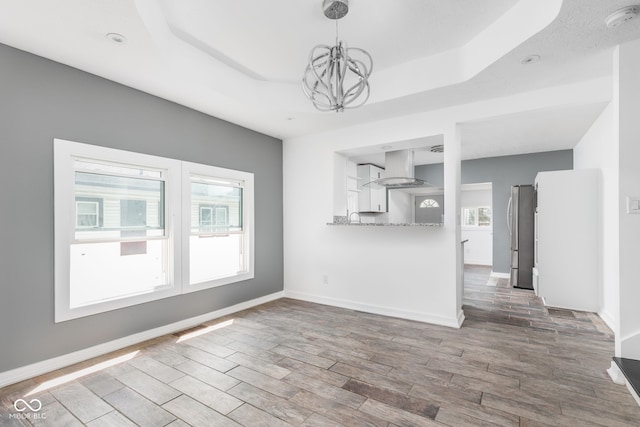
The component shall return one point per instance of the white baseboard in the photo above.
(29, 371)
(633, 393)
(616, 374)
(618, 377)
(471, 261)
(608, 319)
(460, 318)
(454, 322)
(500, 275)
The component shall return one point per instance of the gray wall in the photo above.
(502, 172)
(41, 100)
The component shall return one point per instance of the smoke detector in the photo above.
(621, 16)
(437, 148)
(116, 38)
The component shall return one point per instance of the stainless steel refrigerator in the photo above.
(520, 220)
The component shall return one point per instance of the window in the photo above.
(476, 217)
(125, 243)
(88, 212)
(218, 240)
(484, 217)
(214, 217)
(429, 203)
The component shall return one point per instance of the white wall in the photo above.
(626, 101)
(612, 145)
(479, 249)
(598, 149)
(411, 272)
(399, 271)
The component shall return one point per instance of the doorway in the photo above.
(477, 223)
(429, 208)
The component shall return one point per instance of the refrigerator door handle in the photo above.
(509, 215)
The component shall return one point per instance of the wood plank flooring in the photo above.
(292, 363)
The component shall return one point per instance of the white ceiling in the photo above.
(242, 61)
(272, 40)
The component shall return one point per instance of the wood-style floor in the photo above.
(291, 363)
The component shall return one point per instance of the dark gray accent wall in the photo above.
(429, 215)
(502, 172)
(41, 100)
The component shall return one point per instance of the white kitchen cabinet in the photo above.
(566, 239)
(371, 198)
(352, 187)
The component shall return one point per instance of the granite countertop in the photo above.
(342, 220)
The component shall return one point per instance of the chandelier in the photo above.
(337, 77)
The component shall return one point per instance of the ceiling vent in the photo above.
(437, 148)
(621, 16)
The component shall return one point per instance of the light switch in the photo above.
(633, 205)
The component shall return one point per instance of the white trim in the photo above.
(375, 309)
(608, 319)
(214, 175)
(616, 374)
(461, 318)
(500, 275)
(485, 262)
(65, 153)
(618, 377)
(633, 393)
(29, 371)
(176, 175)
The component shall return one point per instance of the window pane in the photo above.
(429, 203)
(133, 213)
(100, 272)
(128, 204)
(469, 216)
(206, 216)
(484, 217)
(215, 208)
(216, 257)
(87, 214)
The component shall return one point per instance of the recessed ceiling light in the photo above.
(530, 59)
(621, 16)
(116, 38)
(289, 118)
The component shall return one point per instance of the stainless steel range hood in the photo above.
(399, 171)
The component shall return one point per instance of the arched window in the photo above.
(429, 203)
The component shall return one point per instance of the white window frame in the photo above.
(243, 179)
(176, 218)
(97, 214)
(476, 225)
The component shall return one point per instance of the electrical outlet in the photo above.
(633, 205)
